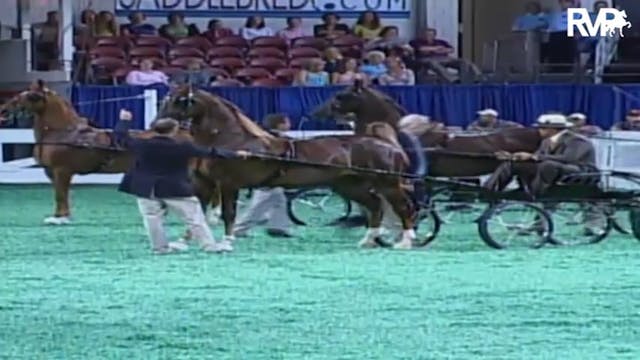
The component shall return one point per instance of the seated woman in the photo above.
(177, 28)
(138, 26)
(368, 25)
(375, 67)
(389, 39)
(397, 74)
(255, 27)
(348, 73)
(331, 27)
(216, 30)
(146, 75)
(332, 59)
(106, 24)
(313, 74)
(293, 30)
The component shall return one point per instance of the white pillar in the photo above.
(24, 21)
(443, 16)
(150, 107)
(66, 28)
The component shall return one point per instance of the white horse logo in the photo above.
(618, 22)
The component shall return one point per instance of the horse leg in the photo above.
(61, 183)
(372, 203)
(229, 202)
(403, 207)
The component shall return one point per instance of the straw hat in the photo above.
(553, 121)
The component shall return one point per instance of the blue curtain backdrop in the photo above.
(455, 105)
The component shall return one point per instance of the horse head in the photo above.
(362, 104)
(208, 116)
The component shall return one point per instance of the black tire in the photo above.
(587, 239)
(484, 226)
(634, 219)
(422, 239)
(303, 195)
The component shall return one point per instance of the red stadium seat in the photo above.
(298, 63)
(184, 62)
(235, 41)
(120, 74)
(286, 75)
(307, 52)
(250, 74)
(171, 70)
(146, 52)
(347, 40)
(152, 41)
(180, 52)
(267, 82)
(227, 63)
(195, 42)
(310, 41)
(219, 72)
(104, 67)
(224, 51)
(107, 51)
(271, 64)
(270, 41)
(271, 52)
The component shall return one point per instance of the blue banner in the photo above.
(400, 9)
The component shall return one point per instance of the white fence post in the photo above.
(150, 107)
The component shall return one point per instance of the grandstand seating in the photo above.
(269, 61)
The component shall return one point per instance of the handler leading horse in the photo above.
(346, 164)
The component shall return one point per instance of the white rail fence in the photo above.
(615, 151)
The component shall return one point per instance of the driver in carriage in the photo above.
(561, 154)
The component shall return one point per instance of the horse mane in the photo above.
(387, 99)
(249, 126)
(67, 106)
(387, 135)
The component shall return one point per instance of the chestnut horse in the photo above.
(345, 164)
(450, 155)
(65, 144)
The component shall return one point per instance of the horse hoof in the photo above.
(229, 238)
(367, 244)
(403, 245)
(57, 220)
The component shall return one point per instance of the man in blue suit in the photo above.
(160, 179)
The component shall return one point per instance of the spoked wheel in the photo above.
(455, 207)
(515, 225)
(579, 223)
(317, 207)
(621, 221)
(428, 225)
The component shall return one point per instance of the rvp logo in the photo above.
(607, 22)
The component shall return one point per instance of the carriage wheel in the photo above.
(515, 225)
(621, 221)
(634, 218)
(579, 223)
(457, 207)
(317, 207)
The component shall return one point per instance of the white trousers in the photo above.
(267, 206)
(188, 209)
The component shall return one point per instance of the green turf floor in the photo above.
(92, 291)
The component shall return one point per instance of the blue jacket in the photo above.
(413, 148)
(161, 165)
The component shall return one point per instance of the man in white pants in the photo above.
(160, 180)
(268, 205)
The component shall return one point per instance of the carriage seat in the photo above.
(592, 179)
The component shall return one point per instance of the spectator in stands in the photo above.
(226, 82)
(48, 43)
(255, 27)
(86, 29)
(389, 39)
(347, 73)
(138, 26)
(368, 25)
(631, 123)
(293, 30)
(194, 75)
(375, 66)
(435, 54)
(312, 74)
(331, 27)
(581, 126)
(216, 30)
(106, 24)
(397, 74)
(146, 75)
(488, 121)
(177, 28)
(332, 59)
(533, 19)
